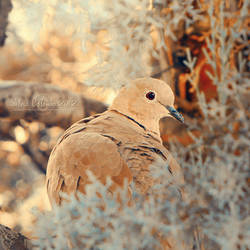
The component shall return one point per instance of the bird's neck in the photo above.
(147, 124)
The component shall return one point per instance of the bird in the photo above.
(120, 143)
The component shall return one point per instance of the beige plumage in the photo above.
(120, 143)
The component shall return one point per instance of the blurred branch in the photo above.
(40, 162)
(45, 103)
(5, 7)
(11, 240)
(159, 74)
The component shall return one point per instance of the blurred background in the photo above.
(64, 60)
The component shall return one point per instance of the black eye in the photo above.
(150, 95)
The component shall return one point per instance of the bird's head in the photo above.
(146, 100)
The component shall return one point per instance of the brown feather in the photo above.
(123, 152)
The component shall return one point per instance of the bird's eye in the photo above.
(150, 95)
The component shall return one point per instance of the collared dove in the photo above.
(120, 143)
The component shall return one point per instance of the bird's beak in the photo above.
(173, 112)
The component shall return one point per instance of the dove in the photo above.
(121, 143)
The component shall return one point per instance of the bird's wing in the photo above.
(74, 155)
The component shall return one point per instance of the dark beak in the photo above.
(175, 114)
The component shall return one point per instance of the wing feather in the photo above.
(78, 153)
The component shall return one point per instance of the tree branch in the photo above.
(5, 7)
(45, 103)
(11, 240)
